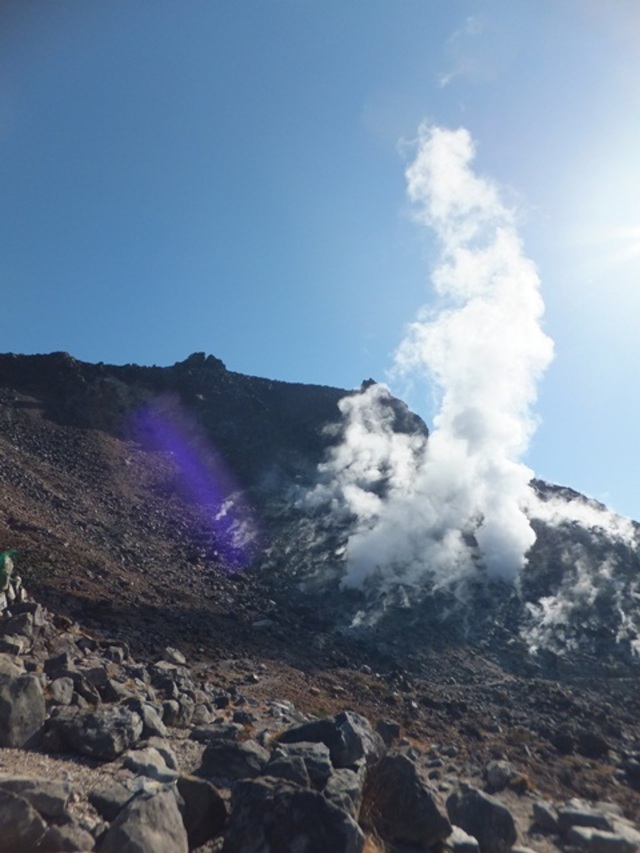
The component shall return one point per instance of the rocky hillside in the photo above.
(159, 508)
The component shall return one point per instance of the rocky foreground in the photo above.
(104, 752)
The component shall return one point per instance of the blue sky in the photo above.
(227, 176)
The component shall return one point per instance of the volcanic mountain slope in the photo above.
(163, 505)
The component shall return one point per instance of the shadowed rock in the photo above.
(103, 734)
(22, 710)
(274, 815)
(150, 822)
(483, 817)
(21, 827)
(348, 735)
(400, 805)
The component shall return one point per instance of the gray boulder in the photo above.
(10, 666)
(349, 737)
(152, 725)
(483, 817)
(22, 710)
(204, 813)
(61, 690)
(344, 789)
(275, 815)
(400, 805)
(582, 815)
(233, 760)
(216, 731)
(545, 816)
(315, 756)
(498, 775)
(150, 763)
(47, 796)
(21, 827)
(103, 734)
(150, 822)
(290, 767)
(599, 841)
(109, 800)
(461, 842)
(68, 837)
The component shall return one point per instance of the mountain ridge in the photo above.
(110, 532)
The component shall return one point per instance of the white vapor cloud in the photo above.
(439, 508)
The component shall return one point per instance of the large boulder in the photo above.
(149, 762)
(400, 805)
(21, 827)
(48, 796)
(314, 755)
(344, 789)
(204, 812)
(103, 734)
(150, 822)
(68, 836)
(232, 760)
(349, 737)
(22, 710)
(109, 799)
(483, 817)
(275, 815)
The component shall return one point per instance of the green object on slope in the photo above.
(6, 568)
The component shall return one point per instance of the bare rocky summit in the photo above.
(179, 669)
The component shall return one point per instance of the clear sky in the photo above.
(228, 176)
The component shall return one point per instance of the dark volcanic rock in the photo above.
(349, 737)
(150, 822)
(48, 796)
(483, 817)
(233, 760)
(205, 812)
(103, 734)
(400, 804)
(109, 800)
(314, 755)
(69, 836)
(272, 814)
(21, 827)
(22, 710)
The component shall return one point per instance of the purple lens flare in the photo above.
(204, 479)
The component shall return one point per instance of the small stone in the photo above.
(149, 762)
(389, 731)
(498, 775)
(61, 690)
(461, 842)
(483, 817)
(174, 656)
(569, 816)
(545, 816)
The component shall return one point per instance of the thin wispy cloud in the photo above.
(460, 51)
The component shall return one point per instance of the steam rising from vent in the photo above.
(456, 501)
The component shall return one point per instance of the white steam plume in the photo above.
(460, 500)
